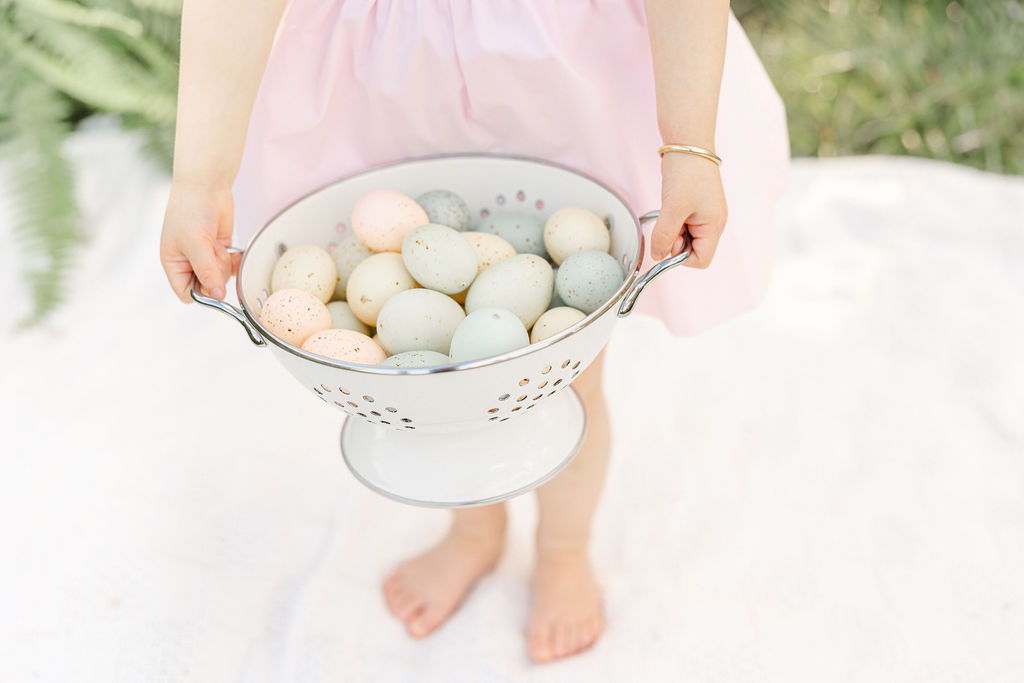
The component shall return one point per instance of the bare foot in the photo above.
(426, 590)
(567, 615)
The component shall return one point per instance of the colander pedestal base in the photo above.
(464, 469)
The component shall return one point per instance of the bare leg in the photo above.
(567, 615)
(427, 589)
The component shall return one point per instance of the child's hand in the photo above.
(691, 198)
(197, 231)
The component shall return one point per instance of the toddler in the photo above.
(278, 98)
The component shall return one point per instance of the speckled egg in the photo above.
(489, 248)
(381, 219)
(446, 208)
(416, 359)
(342, 318)
(522, 284)
(587, 279)
(439, 258)
(347, 255)
(488, 332)
(418, 320)
(293, 315)
(373, 281)
(345, 345)
(572, 229)
(308, 268)
(523, 231)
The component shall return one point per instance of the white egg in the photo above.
(308, 268)
(439, 258)
(523, 231)
(572, 229)
(522, 284)
(418, 320)
(489, 248)
(416, 359)
(587, 279)
(375, 280)
(554, 321)
(347, 255)
(488, 332)
(446, 208)
(342, 318)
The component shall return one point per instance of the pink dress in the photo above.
(359, 83)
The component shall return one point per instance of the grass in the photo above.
(927, 78)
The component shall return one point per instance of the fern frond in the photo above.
(77, 14)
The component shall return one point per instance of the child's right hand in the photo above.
(197, 232)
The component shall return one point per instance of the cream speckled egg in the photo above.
(308, 268)
(587, 279)
(418, 320)
(522, 284)
(345, 345)
(573, 229)
(439, 258)
(381, 219)
(523, 231)
(373, 281)
(446, 208)
(489, 248)
(347, 255)
(416, 359)
(554, 321)
(293, 315)
(342, 318)
(488, 332)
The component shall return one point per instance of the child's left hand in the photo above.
(692, 199)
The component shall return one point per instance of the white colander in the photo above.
(467, 433)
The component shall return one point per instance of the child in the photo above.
(347, 85)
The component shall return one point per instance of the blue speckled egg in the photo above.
(523, 231)
(587, 279)
(446, 208)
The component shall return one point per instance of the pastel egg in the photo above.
(488, 332)
(308, 268)
(489, 248)
(587, 279)
(345, 345)
(446, 208)
(373, 281)
(416, 359)
(522, 284)
(556, 300)
(554, 321)
(293, 315)
(439, 258)
(523, 231)
(342, 318)
(381, 219)
(572, 229)
(347, 255)
(418, 320)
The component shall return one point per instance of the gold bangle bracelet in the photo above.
(689, 149)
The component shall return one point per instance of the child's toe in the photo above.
(426, 621)
(539, 644)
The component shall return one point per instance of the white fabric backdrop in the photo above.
(828, 489)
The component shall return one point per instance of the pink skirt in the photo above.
(359, 83)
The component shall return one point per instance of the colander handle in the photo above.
(626, 307)
(225, 307)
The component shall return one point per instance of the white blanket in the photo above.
(828, 489)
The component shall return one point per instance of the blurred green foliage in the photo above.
(932, 78)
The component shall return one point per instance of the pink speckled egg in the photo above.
(382, 218)
(294, 315)
(345, 345)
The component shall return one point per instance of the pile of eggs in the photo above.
(415, 284)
